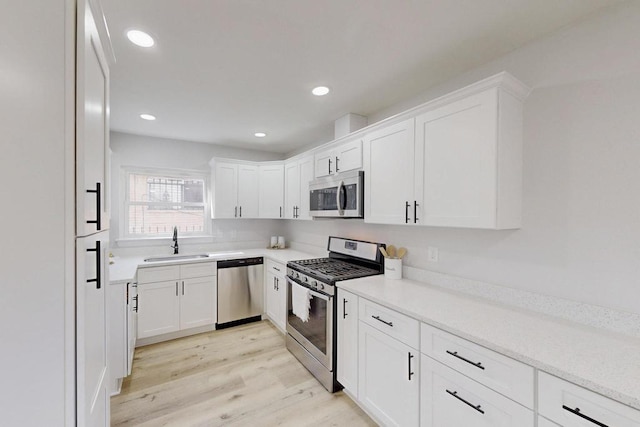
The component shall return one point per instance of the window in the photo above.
(156, 201)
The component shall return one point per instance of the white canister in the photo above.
(393, 268)
(281, 242)
(274, 241)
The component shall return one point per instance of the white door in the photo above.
(389, 174)
(197, 302)
(225, 197)
(348, 341)
(305, 167)
(92, 127)
(248, 191)
(271, 191)
(388, 378)
(456, 153)
(91, 330)
(324, 163)
(158, 308)
(348, 156)
(292, 189)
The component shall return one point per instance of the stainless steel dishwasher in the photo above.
(240, 291)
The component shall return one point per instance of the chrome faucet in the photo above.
(175, 240)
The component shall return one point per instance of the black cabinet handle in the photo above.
(337, 170)
(344, 308)
(294, 212)
(476, 364)
(135, 309)
(276, 268)
(235, 212)
(581, 415)
(415, 212)
(410, 372)
(329, 166)
(383, 321)
(455, 394)
(98, 193)
(240, 211)
(274, 283)
(280, 211)
(98, 279)
(406, 212)
(176, 288)
(183, 287)
(277, 284)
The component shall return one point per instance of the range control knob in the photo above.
(306, 279)
(321, 287)
(297, 275)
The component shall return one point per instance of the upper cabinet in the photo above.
(340, 158)
(457, 163)
(235, 190)
(298, 174)
(271, 203)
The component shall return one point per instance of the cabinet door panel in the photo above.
(197, 302)
(347, 319)
(305, 166)
(276, 292)
(457, 148)
(389, 173)
(158, 308)
(384, 385)
(271, 191)
(324, 163)
(225, 183)
(292, 189)
(349, 156)
(248, 191)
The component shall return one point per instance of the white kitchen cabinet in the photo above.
(276, 294)
(298, 174)
(543, 422)
(235, 190)
(456, 163)
(389, 155)
(175, 298)
(340, 158)
(449, 398)
(570, 405)
(271, 190)
(132, 323)
(347, 351)
(158, 308)
(388, 378)
(197, 302)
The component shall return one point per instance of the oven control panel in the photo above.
(310, 282)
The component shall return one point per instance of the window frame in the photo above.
(169, 173)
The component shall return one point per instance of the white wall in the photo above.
(147, 151)
(37, 248)
(580, 237)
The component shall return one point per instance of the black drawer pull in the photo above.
(476, 407)
(383, 321)
(276, 268)
(581, 415)
(477, 365)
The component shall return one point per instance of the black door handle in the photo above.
(329, 166)
(337, 170)
(344, 308)
(410, 373)
(98, 279)
(98, 193)
(406, 212)
(415, 212)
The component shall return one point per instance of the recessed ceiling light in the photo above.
(320, 90)
(140, 38)
(147, 117)
(260, 134)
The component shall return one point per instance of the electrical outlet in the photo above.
(432, 254)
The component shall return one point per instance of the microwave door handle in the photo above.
(338, 201)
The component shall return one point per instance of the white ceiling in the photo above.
(224, 69)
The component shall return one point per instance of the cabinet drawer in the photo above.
(200, 269)
(500, 373)
(573, 406)
(158, 274)
(276, 268)
(403, 328)
(448, 398)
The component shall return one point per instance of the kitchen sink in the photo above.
(176, 257)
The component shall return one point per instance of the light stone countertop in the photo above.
(124, 269)
(599, 360)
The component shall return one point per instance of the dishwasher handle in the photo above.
(241, 262)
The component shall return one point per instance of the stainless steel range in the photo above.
(313, 341)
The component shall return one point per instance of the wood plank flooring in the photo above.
(242, 376)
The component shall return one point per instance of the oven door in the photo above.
(315, 335)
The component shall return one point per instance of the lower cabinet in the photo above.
(276, 294)
(388, 374)
(121, 306)
(347, 352)
(449, 398)
(175, 298)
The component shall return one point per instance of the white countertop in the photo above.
(599, 360)
(124, 268)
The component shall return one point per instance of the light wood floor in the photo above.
(242, 376)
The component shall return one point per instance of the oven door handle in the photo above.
(314, 293)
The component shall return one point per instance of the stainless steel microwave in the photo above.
(339, 196)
